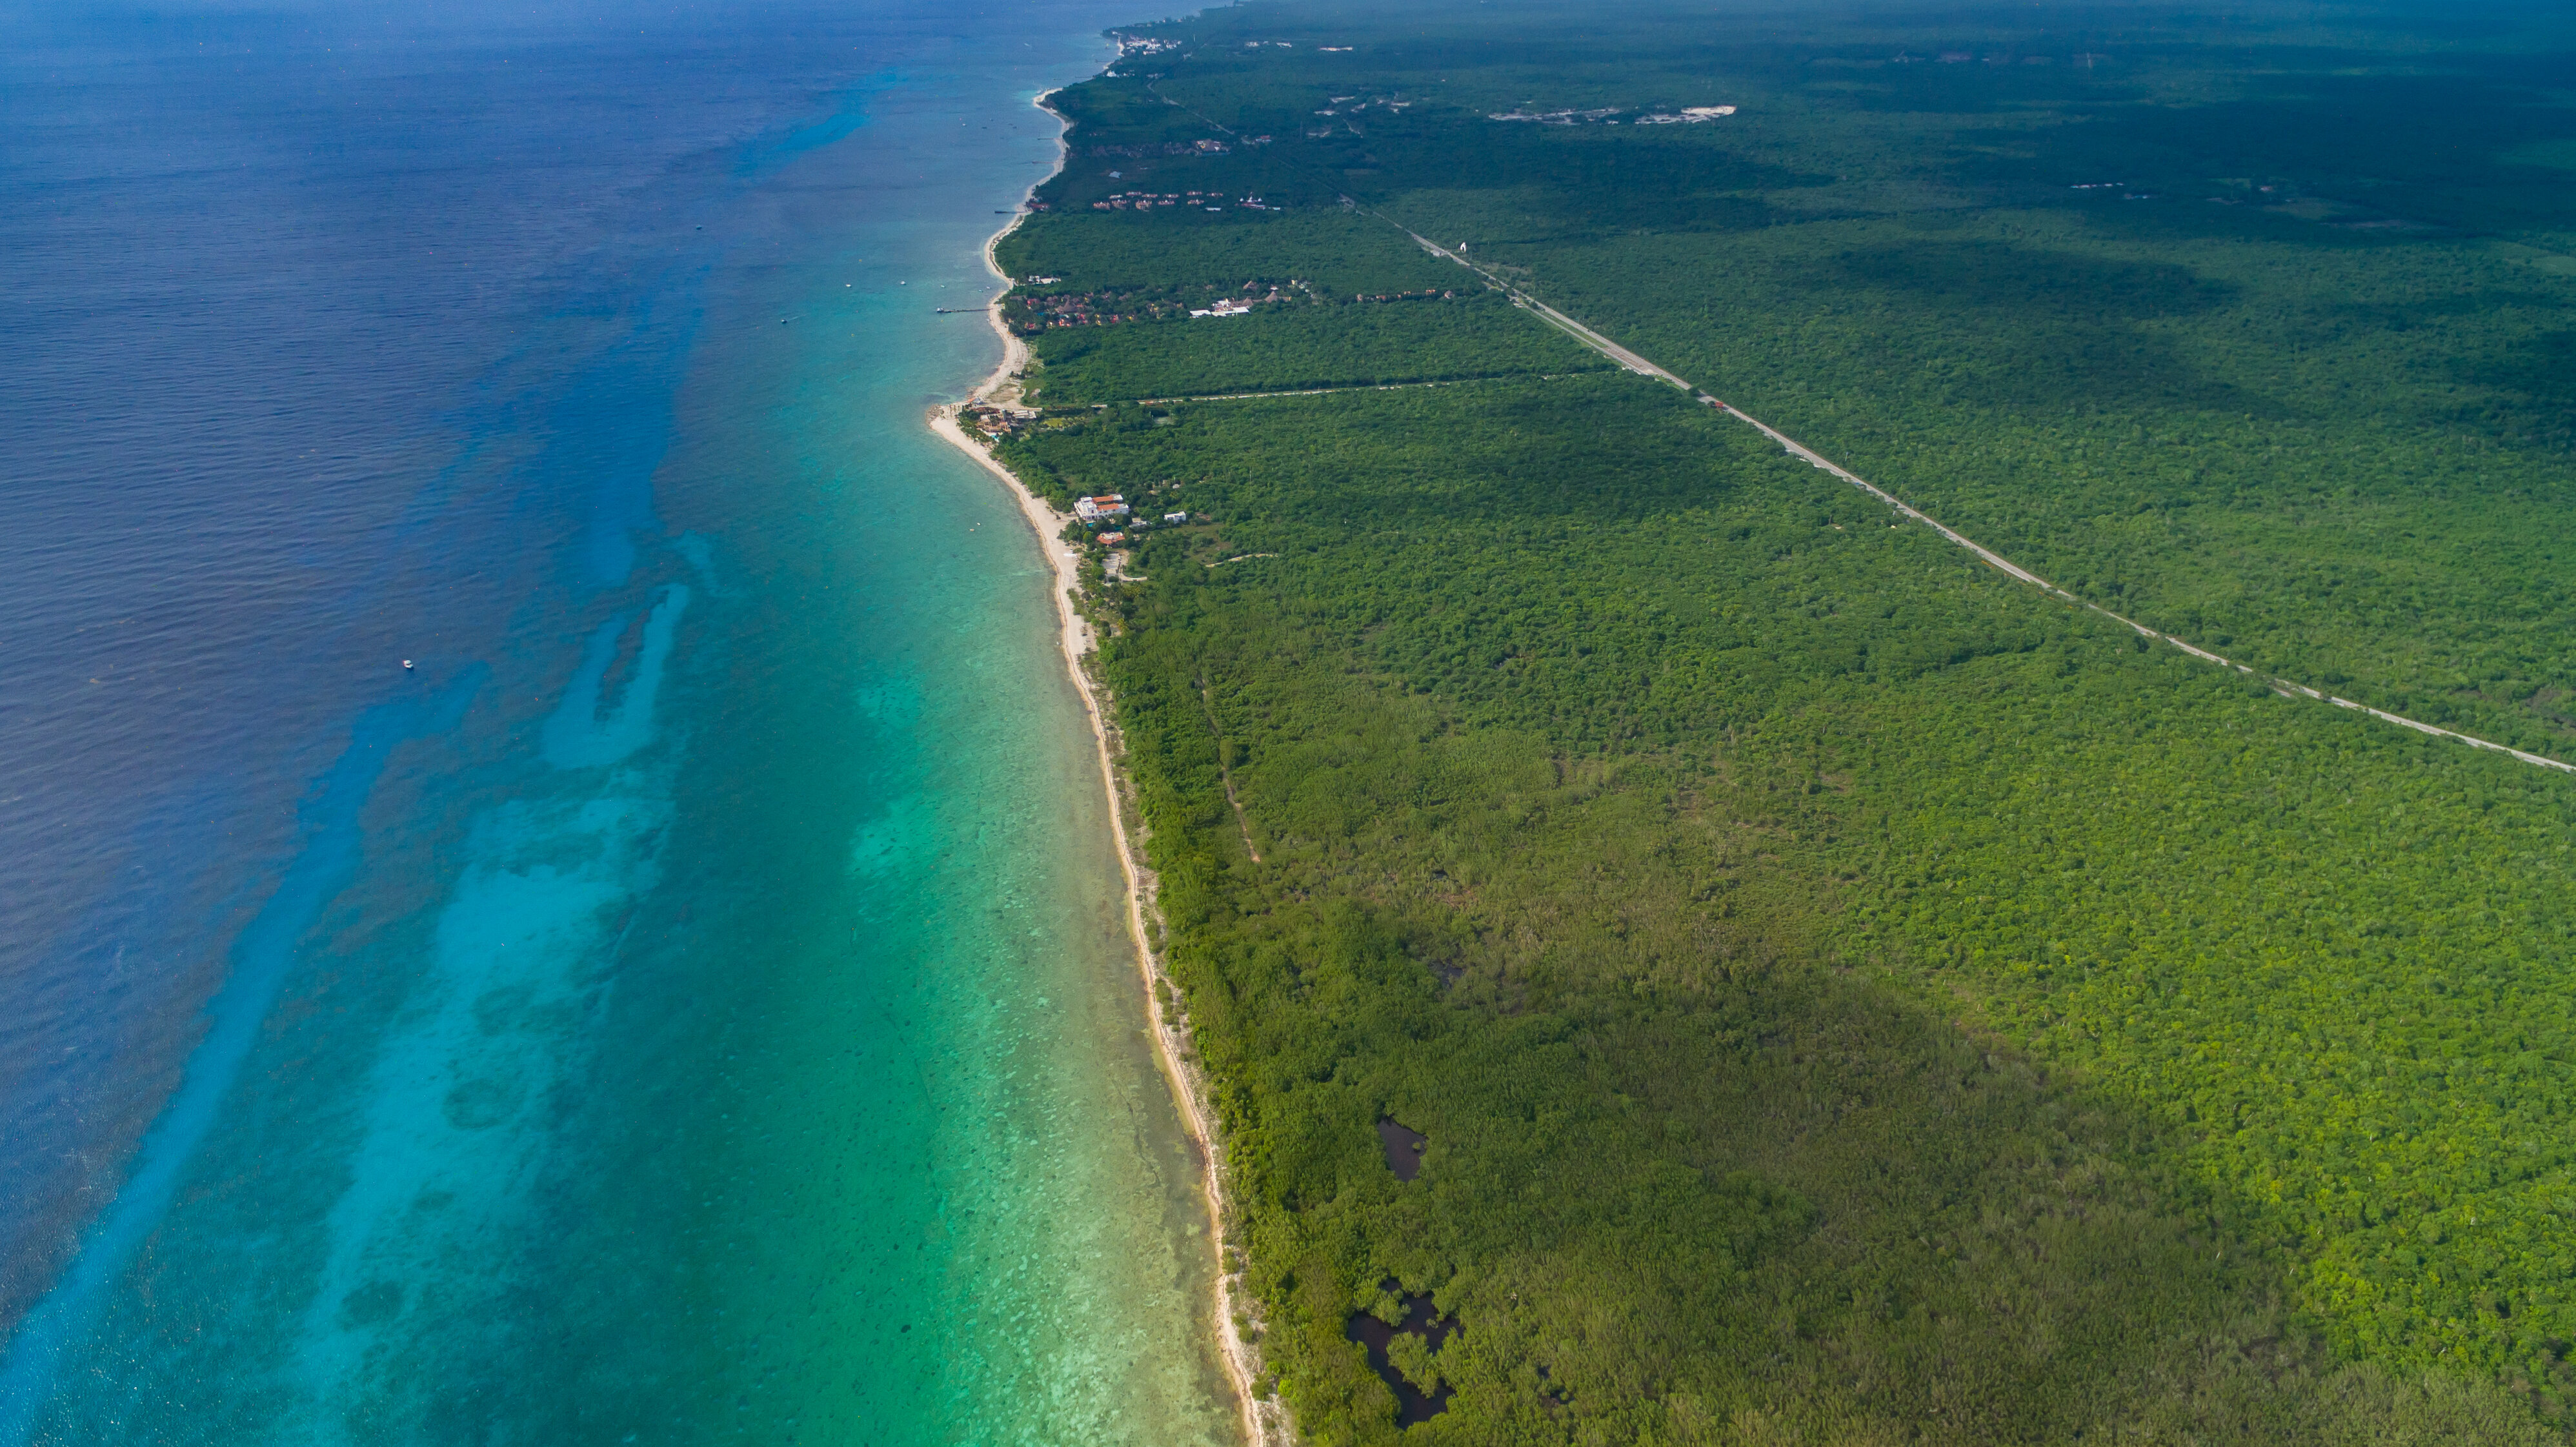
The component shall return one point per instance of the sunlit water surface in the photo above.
(689, 1003)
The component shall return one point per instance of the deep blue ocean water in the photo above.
(687, 1004)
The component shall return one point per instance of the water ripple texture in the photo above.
(558, 892)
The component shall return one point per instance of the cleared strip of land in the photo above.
(1371, 387)
(1644, 368)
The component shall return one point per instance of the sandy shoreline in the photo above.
(1264, 1422)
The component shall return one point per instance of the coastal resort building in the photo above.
(996, 421)
(1094, 511)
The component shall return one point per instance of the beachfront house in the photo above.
(1095, 511)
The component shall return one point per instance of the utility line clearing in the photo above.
(1644, 368)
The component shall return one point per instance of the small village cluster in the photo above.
(1235, 306)
(1686, 116)
(1112, 521)
(1337, 104)
(1168, 148)
(994, 421)
(1608, 116)
(1211, 200)
(1029, 315)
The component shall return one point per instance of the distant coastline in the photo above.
(1264, 1422)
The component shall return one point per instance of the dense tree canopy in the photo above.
(1848, 995)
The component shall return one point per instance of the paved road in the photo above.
(1989, 556)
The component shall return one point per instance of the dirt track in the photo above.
(1993, 559)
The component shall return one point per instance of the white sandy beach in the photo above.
(1264, 1422)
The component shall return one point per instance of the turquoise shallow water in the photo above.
(693, 1004)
